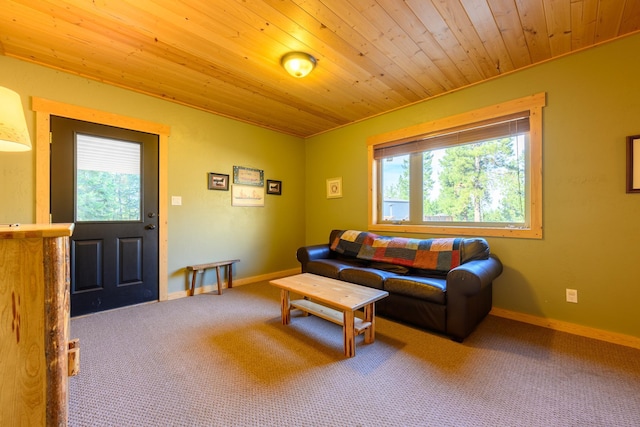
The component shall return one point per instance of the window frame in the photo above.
(533, 104)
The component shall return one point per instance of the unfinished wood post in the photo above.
(349, 334)
(285, 307)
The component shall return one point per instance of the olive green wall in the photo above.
(206, 227)
(591, 226)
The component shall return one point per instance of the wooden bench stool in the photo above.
(216, 265)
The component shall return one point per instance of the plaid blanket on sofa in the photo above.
(431, 254)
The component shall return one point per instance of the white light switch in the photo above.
(176, 200)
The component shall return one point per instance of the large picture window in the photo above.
(477, 173)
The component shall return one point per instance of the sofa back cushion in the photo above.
(474, 248)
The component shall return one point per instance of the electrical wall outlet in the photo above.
(572, 295)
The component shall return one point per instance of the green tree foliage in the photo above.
(428, 183)
(105, 196)
(400, 189)
(482, 182)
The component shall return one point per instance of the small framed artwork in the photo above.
(334, 188)
(274, 187)
(248, 176)
(247, 195)
(218, 181)
(633, 164)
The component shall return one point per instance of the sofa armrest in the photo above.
(469, 295)
(469, 278)
(310, 253)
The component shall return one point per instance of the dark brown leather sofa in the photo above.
(451, 302)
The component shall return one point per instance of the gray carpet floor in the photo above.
(227, 360)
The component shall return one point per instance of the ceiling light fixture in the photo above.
(14, 135)
(298, 64)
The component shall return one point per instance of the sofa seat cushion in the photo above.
(365, 276)
(328, 267)
(392, 268)
(425, 288)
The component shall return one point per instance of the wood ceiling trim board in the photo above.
(46, 32)
(558, 17)
(346, 16)
(247, 46)
(360, 51)
(507, 18)
(447, 74)
(584, 15)
(609, 19)
(630, 17)
(399, 44)
(436, 25)
(173, 43)
(481, 18)
(456, 17)
(533, 21)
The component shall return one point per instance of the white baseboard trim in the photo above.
(236, 282)
(571, 328)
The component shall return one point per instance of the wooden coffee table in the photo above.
(332, 300)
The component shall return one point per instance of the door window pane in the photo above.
(108, 184)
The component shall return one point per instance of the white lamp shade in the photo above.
(14, 135)
(298, 64)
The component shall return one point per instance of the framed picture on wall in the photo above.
(274, 187)
(334, 188)
(633, 164)
(248, 176)
(247, 195)
(218, 181)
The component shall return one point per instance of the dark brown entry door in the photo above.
(105, 180)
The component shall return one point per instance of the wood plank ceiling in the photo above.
(223, 56)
